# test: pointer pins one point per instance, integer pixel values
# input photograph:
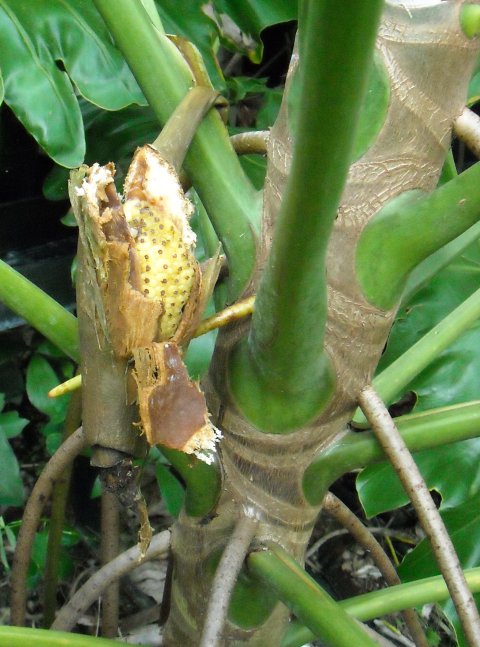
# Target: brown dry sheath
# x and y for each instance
(108, 419)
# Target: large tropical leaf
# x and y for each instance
(241, 23)
(51, 51)
(55, 50)
(454, 376)
(380, 490)
(110, 137)
(186, 19)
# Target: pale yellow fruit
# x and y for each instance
(167, 264)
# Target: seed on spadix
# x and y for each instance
(157, 213)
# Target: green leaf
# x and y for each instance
(187, 19)
(199, 354)
(255, 166)
(11, 488)
(53, 441)
(40, 379)
(463, 525)
(171, 490)
(110, 136)
(39, 556)
(2, 401)
(50, 50)
(11, 424)
(474, 90)
(379, 488)
(45, 347)
(453, 376)
(240, 86)
(474, 87)
(241, 23)
(269, 109)
(2, 88)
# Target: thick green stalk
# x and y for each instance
(21, 636)
(39, 309)
(380, 603)
(428, 268)
(390, 382)
(230, 199)
(470, 20)
(420, 431)
(202, 481)
(307, 599)
(422, 224)
(280, 377)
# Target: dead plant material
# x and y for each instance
(172, 407)
(146, 291)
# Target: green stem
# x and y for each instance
(420, 431)
(280, 377)
(202, 481)
(230, 199)
(151, 9)
(422, 225)
(307, 599)
(380, 603)
(470, 20)
(207, 232)
(430, 267)
(39, 309)
(21, 636)
(390, 382)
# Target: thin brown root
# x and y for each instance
(224, 581)
(401, 459)
(55, 467)
(110, 542)
(57, 516)
(111, 572)
(364, 537)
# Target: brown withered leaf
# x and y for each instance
(195, 307)
(173, 410)
(132, 319)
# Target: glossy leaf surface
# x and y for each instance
(380, 490)
(40, 379)
(240, 24)
(452, 378)
(49, 49)
(11, 488)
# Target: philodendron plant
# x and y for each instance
(354, 218)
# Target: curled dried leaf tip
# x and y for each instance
(172, 407)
